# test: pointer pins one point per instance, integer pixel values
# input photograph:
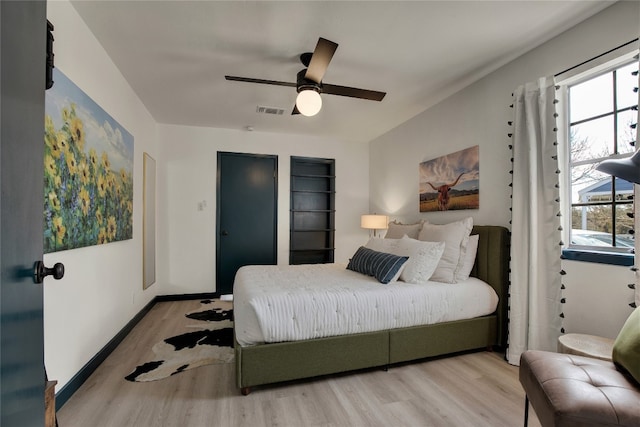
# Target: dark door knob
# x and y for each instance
(224, 233)
(40, 271)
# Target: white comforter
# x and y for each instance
(299, 302)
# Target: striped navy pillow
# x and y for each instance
(381, 265)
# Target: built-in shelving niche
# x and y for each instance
(313, 184)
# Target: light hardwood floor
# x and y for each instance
(475, 389)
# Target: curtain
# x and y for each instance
(535, 293)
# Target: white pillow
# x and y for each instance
(469, 259)
(423, 256)
(455, 235)
(382, 245)
(396, 230)
(423, 259)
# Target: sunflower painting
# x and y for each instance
(88, 164)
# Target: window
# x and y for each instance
(601, 116)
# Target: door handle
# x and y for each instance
(224, 233)
(40, 271)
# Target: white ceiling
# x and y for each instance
(175, 54)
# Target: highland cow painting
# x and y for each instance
(88, 180)
(451, 182)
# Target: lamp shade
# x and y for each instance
(309, 102)
(627, 169)
(374, 222)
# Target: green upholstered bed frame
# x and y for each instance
(277, 362)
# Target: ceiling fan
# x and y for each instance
(309, 81)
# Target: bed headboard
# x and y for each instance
(492, 266)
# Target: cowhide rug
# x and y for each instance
(210, 345)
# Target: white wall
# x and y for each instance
(187, 162)
(478, 115)
(597, 298)
(102, 287)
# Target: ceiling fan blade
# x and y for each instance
(353, 92)
(295, 110)
(320, 59)
(266, 82)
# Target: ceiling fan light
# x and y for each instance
(309, 102)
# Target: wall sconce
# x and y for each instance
(374, 222)
(627, 169)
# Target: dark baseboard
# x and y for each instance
(184, 297)
(79, 378)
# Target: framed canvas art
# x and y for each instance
(451, 182)
(88, 161)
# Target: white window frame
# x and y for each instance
(576, 76)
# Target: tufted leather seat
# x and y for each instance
(571, 391)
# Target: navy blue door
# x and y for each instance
(247, 194)
(23, 31)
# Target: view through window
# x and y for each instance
(602, 118)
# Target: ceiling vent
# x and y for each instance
(269, 110)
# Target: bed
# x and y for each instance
(266, 363)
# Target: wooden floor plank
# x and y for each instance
(474, 389)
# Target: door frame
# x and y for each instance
(220, 155)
